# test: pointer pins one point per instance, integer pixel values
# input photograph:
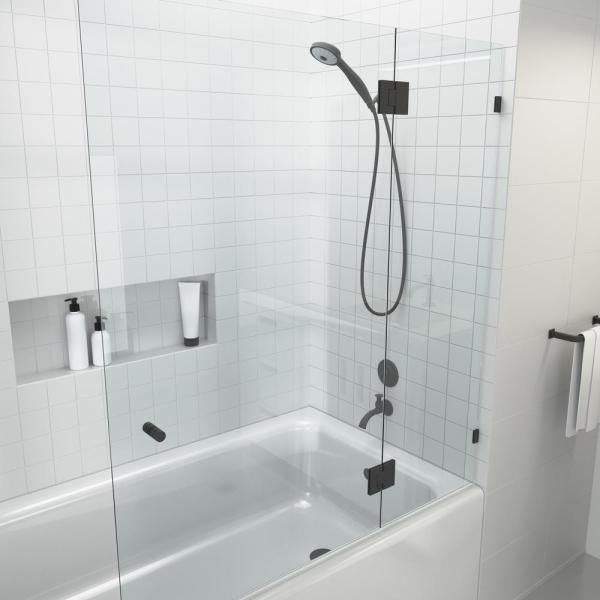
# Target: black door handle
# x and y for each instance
(154, 432)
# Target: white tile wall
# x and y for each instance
(63, 420)
(204, 163)
(180, 392)
(44, 158)
(168, 236)
(442, 338)
(221, 176)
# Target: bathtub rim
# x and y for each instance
(440, 481)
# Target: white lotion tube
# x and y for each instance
(189, 297)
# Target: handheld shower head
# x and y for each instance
(330, 55)
(326, 53)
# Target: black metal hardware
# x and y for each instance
(388, 373)
(393, 97)
(567, 337)
(381, 406)
(318, 552)
(475, 438)
(497, 104)
(156, 433)
(380, 477)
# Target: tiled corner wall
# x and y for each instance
(538, 495)
(345, 342)
(292, 329)
(453, 154)
(245, 223)
(223, 170)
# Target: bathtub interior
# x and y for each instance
(234, 513)
(226, 515)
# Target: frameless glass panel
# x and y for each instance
(450, 151)
(231, 171)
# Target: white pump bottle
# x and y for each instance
(76, 337)
(101, 350)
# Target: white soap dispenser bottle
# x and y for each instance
(101, 350)
(77, 346)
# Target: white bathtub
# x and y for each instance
(225, 517)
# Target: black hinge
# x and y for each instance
(393, 97)
(497, 104)
(380, 477)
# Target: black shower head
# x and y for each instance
(328, 54)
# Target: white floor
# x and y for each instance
(578, 581)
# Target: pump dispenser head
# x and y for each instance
(74, 306)
(99, 325)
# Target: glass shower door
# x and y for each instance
(231, 172)
(452, 149)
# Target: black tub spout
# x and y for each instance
(381, 406)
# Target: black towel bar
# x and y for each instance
(567, 337)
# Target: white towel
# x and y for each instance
(594, 395)
(588, 353)
(582, 369)
(574, 390)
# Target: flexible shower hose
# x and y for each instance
(388, 310)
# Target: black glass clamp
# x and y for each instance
(392, 97)
(380, 477)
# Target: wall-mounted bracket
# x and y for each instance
(393, 97)
(565, 337)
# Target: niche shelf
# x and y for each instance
(144, 321)
(117, 360)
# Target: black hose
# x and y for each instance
(388, 311)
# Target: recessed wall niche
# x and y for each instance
(142, 319)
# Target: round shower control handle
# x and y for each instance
(156, 433)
